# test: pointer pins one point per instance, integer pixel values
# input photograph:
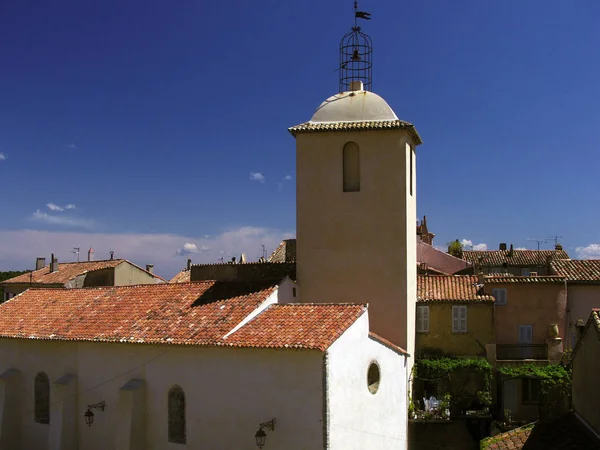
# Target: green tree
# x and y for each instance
(455, 249)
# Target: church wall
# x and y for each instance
(358, 418)
(228, 392)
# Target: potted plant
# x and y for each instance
(445, 405)
(485, 399)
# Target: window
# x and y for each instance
(177, 415)
(294, 292)
(373, 378)
(500, 295)
(459, 319)
(8, 296)
(525, 272)
(41, 394)
(351, 167)
(411, 168)
(422, 319)
(530, 390)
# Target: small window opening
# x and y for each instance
(351, 167)
(294, 292)
(176, 411)
(41, 392)
(373, 378)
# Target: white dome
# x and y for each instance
(353, 106)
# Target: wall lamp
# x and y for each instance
(260, 435)
(89, 415)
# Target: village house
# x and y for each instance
(112, 272)
(530, 318)
(583, 288)
(454, 316)
(578, 429)
(208, 364)
(514, 262)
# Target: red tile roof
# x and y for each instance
(314, 326)
(513, 439)
(199, 313)
(181, 277)
(502, 279)
(587, 270)
(564, 433)
(525, 258)
(432, 288)
(68, 271)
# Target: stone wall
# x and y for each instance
(242, 272)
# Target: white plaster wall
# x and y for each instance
(358, 419)
(228, 392)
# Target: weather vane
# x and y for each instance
(356, 52)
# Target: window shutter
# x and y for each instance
(459, 319)
(455, 319)
(463, 318)
(426, 318)
(423, 319)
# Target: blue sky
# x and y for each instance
(151, 116)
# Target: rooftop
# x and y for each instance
(565, 433)
(526, 258)
(502, 279)
(200, 313)
(67, 271)
(586, 270)
(181, 277)
(447, 288)
(285, 252)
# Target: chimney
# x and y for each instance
(40, 263)
(480, 277)
(189, 264)
(243, 258)
(112, 255)
(150, 268)
(558, 247)
(91, 254)
(53, 263)
(502, 245)
(511, 250)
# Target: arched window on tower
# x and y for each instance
(177, 415)
(351, 167)
(41, 394)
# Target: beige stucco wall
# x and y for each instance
(537, 304)
(126, 274)
(586, 390)
(359, 246)
(582, 299)
(228, 392)
(357, 418)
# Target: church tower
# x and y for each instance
(356, 201)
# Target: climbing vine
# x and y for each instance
(553, 378)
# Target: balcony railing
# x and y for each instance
(521, 351)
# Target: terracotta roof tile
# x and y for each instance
(525, 258)
(564, 433)
(199, 313)
(311, 127)
(68, 271)
(502, 279)
(285, 252)
(181, 277)
(431, 288)
(577, 270)
(313, 326)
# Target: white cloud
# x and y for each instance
(592, 251)
(70, 206)
(73, 222)
(288, 178)
(54, 207)
(468, 245)
(3, 156)
(73, 146)
(20, 248)
(257, 176)
(189, 248)
(520, 248)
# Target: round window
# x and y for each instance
(373, 378)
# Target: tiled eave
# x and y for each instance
(484, 299)
(315, 127)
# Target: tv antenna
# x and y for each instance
(264, 251)
(539, 241)
(76, 251)
(555, 239)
